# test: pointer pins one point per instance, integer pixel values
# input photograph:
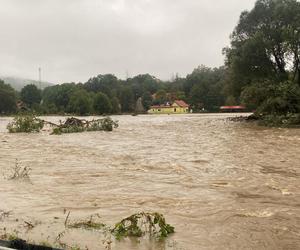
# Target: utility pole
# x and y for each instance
(40, 77)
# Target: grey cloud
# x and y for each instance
(73, 40)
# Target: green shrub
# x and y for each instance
(288, 120)
(137, 225)
(26, 124)
(74, 125)
(106, 124)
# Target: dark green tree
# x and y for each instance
(147, 100)
(127, 99)
(265, 45)
(161, 96)
(80, 103)
(102, 104)
(58, 97)
(204, 88)
(106, 84)
(115, 105)
(30, 95)
(7, 98)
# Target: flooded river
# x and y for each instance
(222, 184)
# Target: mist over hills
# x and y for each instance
(18, 83)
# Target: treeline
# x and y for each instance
(263, 61)
(203, 89)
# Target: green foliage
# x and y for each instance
(80, 103)
(161, 96)
(115, 105)
(102, 104)
(137, 225)
(105, 124)
(230, 101)
(275, 99)
(90, 224)
(264, 61)
(287, 120)
(103, 83)
(127, 99)
(204, 88)
(26, 124)
(147, 100)
(30, 95)
(266, 41)
(8, 99)
(67, 130)
(57, 98)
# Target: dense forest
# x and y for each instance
(106, 94)
(261, 71)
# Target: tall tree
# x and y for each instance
(30, 95)
(80, 102)
(102, 104)
(204, 88)
(264, 57)
(127, 99)
(8, 98)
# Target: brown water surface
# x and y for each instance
(222, 184)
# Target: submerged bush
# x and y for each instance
(288, 120)
(106, 124)
(137, 225)
(26, 124)
(74, 125)
(30, 123)
(19, 172)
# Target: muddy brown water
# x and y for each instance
(223, 185)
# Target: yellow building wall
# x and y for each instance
(170, 110)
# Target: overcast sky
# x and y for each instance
(73, 40)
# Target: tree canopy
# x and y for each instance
(264, 57)
(30, 95)
(8, 98)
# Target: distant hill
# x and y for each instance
(18, 83)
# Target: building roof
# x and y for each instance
(181, 103)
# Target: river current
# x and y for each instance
(222, 184)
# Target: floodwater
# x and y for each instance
(222, 184)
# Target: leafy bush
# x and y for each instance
(137, 225)
(289, 120)
(74, 125)
(277, 104)
(106, 124)
(26, 124)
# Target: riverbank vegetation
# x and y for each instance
(263, 61)
(261, 72)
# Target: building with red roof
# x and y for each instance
(177, 107)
